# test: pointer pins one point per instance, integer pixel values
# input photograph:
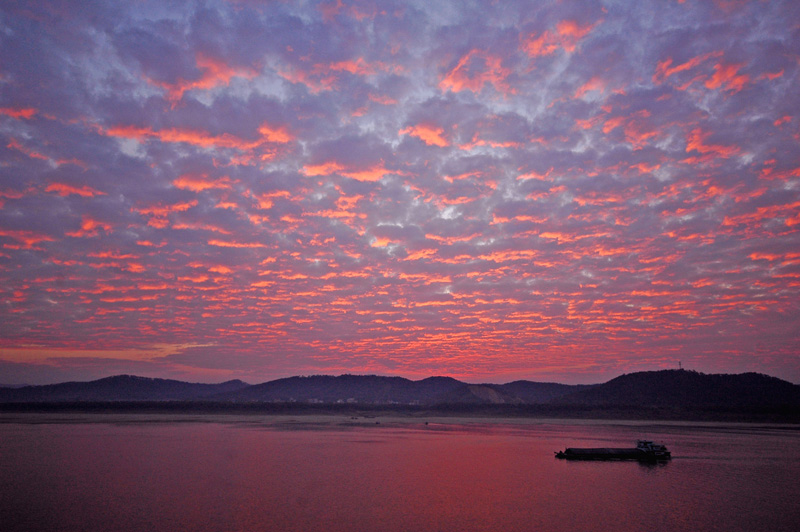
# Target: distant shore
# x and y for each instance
(339, 422)
(405, 413)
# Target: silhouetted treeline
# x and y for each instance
(656, 395)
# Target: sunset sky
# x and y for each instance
(554, 191)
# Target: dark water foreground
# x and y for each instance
(159, 472)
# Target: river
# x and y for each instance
(125, 472)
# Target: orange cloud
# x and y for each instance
(358, 67)
(430, 135)
(725, 76)
(201, 227)
(203, 139)
(277, 134)
(179, 135)
(789, 213)
(782, 120)
(27, 239)
(544, 44)
(452, 239)
(425, 278)
(594, 84)
(266, 200)
(332, 9)
(570, 32)
(601, 199)
(147, 243)
(511, 255)
(15, 144)
(23, 112)
(422, 254)
(198, 183)
(90, 227)
(567, 35)
(613, 123)
(10, 194)
(769, 173)
(199, 278)
(215, 73)
(160, 212)
(534, 175)
(327, 168)
(771, 75)
(340, 214)
(635, 127)
(323, 76)
(588, 123)
(112, 255)
(477, 141)
(226, 244)
(646, 168)
(467, 175)
(382, 99)
(474, 70)
(664, 69)
(638, 132)
(63, 189)
(373, 173)
(315, 84)
(382, 242)
(696, 141)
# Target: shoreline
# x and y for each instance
(349, 422)
(407, 413)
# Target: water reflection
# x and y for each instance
(263, 474)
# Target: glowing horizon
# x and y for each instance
(556, 192)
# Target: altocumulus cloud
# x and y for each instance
(486, 190)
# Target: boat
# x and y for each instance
(645, 450)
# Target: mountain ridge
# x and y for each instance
(118, 388)
(676, 389)
(687, 388)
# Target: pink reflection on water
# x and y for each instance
(251, 476)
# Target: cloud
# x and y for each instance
(565, 35)
(214, 73)
(489, 191)
(431, 135)
(63, 189)
(475, 70)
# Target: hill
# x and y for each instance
(539, 392)
(688, 389)
(668, 394)
(317, 389)
(118, 388)
(371, 389)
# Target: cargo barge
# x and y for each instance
(645, 450)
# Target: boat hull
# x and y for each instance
(612, 454)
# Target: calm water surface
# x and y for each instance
(136, 473)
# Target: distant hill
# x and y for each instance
(371, 389)
(317, 389)
(689, 389)
(119, 388)
(672, 394)
(477, 394)
(539, 392)
(374, 389)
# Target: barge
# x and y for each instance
(645, 450)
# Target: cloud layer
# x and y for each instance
(484, 190)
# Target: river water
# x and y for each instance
(138, 473)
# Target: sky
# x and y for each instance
(552, 191)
